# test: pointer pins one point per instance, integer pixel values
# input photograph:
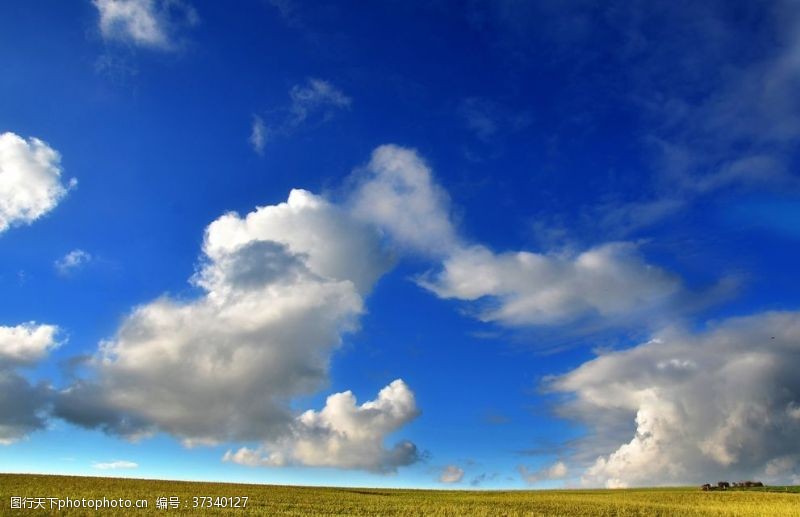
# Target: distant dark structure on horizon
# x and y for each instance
(724, 485)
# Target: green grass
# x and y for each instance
(284, 500)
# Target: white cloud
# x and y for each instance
(147, 23)
(26, 343)
(396, 192)
(451, 474)
(330, 242)
(611, 281)
(258, 134)
(311, 104)
(281, 285)
(115, 465)
(72, 261)
(718, 404)
(22, 404)
(316, 96)
(343, 434)
(557, 470)
(30, 180)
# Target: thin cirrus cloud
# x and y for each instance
(30, 180)
(22, 404)
(145, 23)
(115, 465)
(72, 261)
(310, 104)
(715, 404)
(735, 129)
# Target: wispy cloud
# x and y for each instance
(725, 120)
(72, 261)
(258, 134)
(115, 465)
(312, 103)
(145, 23)
(487, 118)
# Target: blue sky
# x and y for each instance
(500, 244)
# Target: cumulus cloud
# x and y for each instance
(146, 23)
(343, 434)
(716, 404)
(22, 405)
(557, 470)
(396, 192)
(611, 282)
(26, 343)
(281, 285)
(30, 180)
(451, 474)
(72, 261)
(115, 465)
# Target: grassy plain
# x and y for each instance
(285, 500)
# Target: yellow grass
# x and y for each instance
(284, 500)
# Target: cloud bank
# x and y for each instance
(723, 403)
(281, 286)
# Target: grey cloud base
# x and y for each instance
(23, 406)
(723, 403)
(281, 286)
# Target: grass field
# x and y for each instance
(283, 500)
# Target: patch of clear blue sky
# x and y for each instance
(160, 147)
